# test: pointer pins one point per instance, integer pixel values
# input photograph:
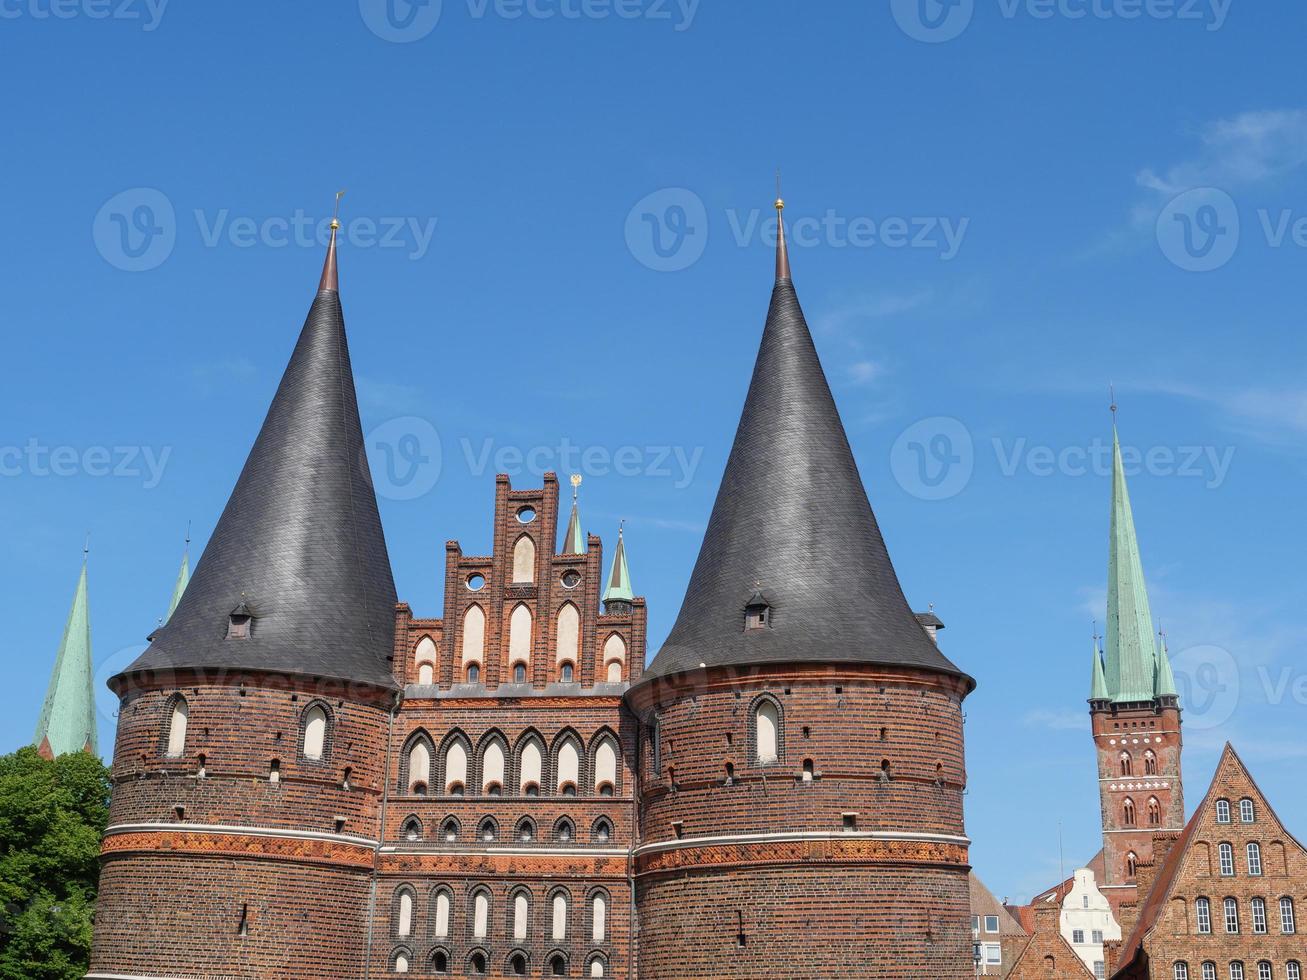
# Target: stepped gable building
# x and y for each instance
(312, 783)
(801, 762)
(1134, 710)
(1222, 899)
(67, 721)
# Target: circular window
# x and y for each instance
(475, 583)
(571, 579)
(526, 515)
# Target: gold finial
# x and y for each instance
(335, 215)
(576, 485)
(782, 250)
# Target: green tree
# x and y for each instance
(52, 814)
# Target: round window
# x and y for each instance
(526, 515)
(571, 579)
(475, 583)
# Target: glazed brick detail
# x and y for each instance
(180, 915)
(816, 922)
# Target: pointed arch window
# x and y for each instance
(1154, 812)
(474, 635)
(315, 733)
(492, 769)
(443, 906)
(1128, 812)
(767, 732)
(480, 914)
(419, 767)
(558, 917)
(599, 918)
(569, 768)
(455, 768)
(404, 912)
(524, 560)
(614, 659)
(567, 634)
(605, 773)
(597, 964)
(425, 659)
(519, 635)
(521, 915)
(1150, 763)
(401, 961)
(178, 719)
(1131, 864)
(530, 767)
(1127, 764)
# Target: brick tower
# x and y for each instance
(801, 764)
(251, 740)
(1135, 712)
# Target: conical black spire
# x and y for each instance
(792, 523)
(300, 541)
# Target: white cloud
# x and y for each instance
(864, 372)
(1246, 149)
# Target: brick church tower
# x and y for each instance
(801, 761)
(1135, 712)
(251, 746)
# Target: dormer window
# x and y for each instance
(239, 621)
(757, 612)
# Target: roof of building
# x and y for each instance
(179, 587)
(574, 537)
(618, 587)
(300, 540)
(67, 722)
(1056, 894)
(1046, 938)
(1153, 904)
(983, 902)
(792, 519)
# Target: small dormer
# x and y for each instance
(931, 623)
(757, 612)
(239, 622)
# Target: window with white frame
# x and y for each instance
(1100, 970)
(1231, 916)
(1077, 936)
(1247, 814)
(1255, 859)
(1209, 970)
(1287, 924)
(1236, 971)
(1264, 971)
(1226, 855)
(1222, 811)
(1096, 936)
(1180, 971)
(991, 923)
(993, 954)
(1293, 970)
(1203, 911)
(1259, 916)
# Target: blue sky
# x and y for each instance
(556, 219)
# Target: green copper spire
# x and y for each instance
(1165, 678)
(183, 578)
(1098, 690)
(68, 716)
(574, 539)
(619, 577)
(1131, 653)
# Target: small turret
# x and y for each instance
(67, 722)
(574, 539)
(617, 593)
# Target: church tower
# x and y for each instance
(67, 722)
(1135, 711)
(251, 747)
(801, 759)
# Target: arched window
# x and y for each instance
(474, 673)
(449, 830)
(474, 635)
(440, 962)
(1131, 864)
(1127, 764)
(1150, 763)
(567, 634)
(178, 719)
(558, 916)
(1222, 811)
(614, 658)
(1247, 813)
(1232, 916)
(480, 914)
(517, 964)
(404, 912)
(1258, 906)
(487, 829)
(1236, 970)
(1209, 970)
(605, 768)
(492, 768)
(599, 918)
(1264, 970)
(564, 832)
(455, 768)
(602, 831)
(477, 964)
(1154, 812)
(767, 732)
(1203, 913)
(530, 766)
(558, 965)
(419, 767)
(519, 635)
(567, 674)
(1293, 970)
(425, 658)
(569, 768)
(426, 674)
(597, 964)
(1128, 812)
(521, 915)
(315, 733)
(1181, 970)
(524, 559)
(401, 961)
(519, 673)
(444, 905)
(1225, 855)
(1255, 860)
(526, 830)
(412, 829)
(1288, 923)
